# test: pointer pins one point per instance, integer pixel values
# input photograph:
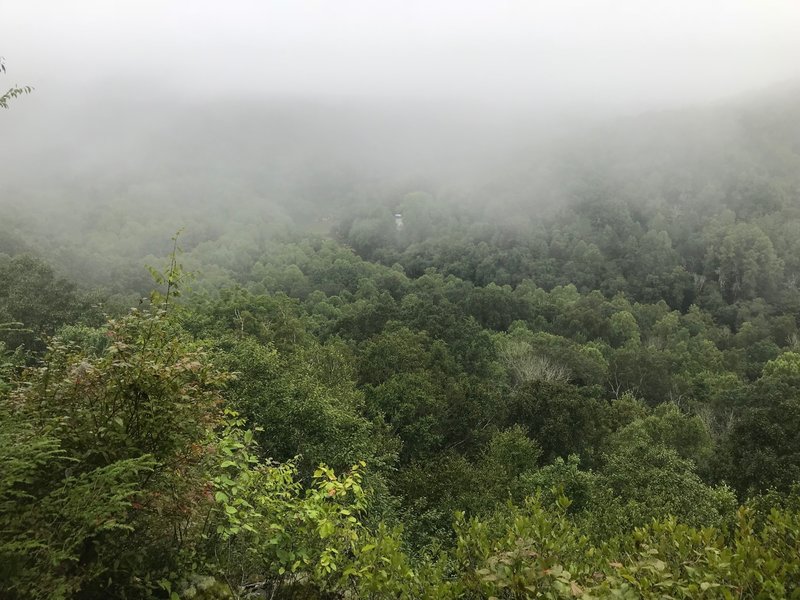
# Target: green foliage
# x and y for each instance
(667, 426)
(669, 559)
(57, 518)
(742, 258)
(760, 448)
(560, 417)
(13, 92)
(106, 451)
(34, 302)
(266, 532)
(651, 481)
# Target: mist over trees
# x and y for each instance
(400, 322)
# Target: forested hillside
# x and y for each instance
(576, 374)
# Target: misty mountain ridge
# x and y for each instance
(287, 163)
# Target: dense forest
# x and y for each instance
(579, 377)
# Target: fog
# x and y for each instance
(305, 106)
(618, 55)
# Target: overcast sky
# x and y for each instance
(619, 54)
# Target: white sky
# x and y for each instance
(610, 53)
